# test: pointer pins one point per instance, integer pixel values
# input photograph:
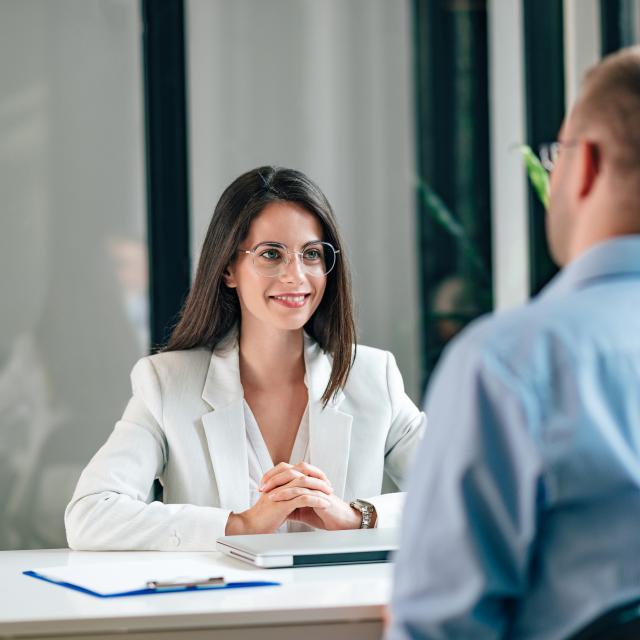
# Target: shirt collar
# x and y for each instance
(615, 257)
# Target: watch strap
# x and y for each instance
(367, 510)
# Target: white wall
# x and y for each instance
(582, 44)
(324, 87)
(510, 225)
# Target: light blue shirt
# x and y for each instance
(523, 513)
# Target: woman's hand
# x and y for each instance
(334, 514)
(286, 482)
(267, 515)
(284, 473)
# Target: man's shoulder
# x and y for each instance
(523, 340)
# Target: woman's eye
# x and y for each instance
(270, 254)
(312, 254)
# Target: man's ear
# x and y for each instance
(229, 277)
(589, 164)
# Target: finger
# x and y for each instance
(311, 483)
(291, 493)
(275, 470)
(315, 501)
(310, 470)
(288, 493)
(308, 516)
(284, 477)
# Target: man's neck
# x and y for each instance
(606, 216)
(589, 238)
(271, 358)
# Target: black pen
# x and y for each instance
(159, 584)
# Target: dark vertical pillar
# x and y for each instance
(545, 88)
(617, 19)
(167, 167)
(452, 126)
(610, 31)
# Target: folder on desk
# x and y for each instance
(120, 579)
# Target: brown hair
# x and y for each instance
(212, 309)
(610, 102)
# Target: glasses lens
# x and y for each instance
(268, 259)
(549, 155)
(554, 151)
(545, 157)
(318, 258)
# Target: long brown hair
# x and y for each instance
(212, 309)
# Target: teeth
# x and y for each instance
(290, 298)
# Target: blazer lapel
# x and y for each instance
(329, 428)
(224, 428)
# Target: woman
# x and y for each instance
(260, 415)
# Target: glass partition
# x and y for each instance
(73, 284)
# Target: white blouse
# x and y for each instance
(260, 462)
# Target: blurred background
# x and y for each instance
(121, 122)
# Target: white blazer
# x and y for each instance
(184, 425)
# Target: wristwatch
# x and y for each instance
(368, 512)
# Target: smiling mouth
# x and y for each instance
(292, 301)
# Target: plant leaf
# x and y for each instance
(538, 175)
(443, 216)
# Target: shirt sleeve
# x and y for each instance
(471, 510)
(113, 506)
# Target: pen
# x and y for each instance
(176, 584)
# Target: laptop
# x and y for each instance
(311, 548)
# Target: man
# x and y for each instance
(523, 515)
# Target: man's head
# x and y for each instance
(595, 185)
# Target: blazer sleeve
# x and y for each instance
(113, 506)
(405, 432)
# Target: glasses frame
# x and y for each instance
(549, 152)
(290, 252)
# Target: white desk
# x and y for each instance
(313, 603)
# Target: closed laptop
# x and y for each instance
(311, 548)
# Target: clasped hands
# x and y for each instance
(299, 492)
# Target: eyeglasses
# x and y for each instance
(549, 152)
(270, 259)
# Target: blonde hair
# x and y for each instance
(609, 103)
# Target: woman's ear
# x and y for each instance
(229, 277)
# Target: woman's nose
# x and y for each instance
(293, 270)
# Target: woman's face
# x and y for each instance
(288, 300)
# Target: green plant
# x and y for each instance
(439, 211)
(538, 175)
(477, 277)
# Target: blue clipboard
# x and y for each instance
(203, 586)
